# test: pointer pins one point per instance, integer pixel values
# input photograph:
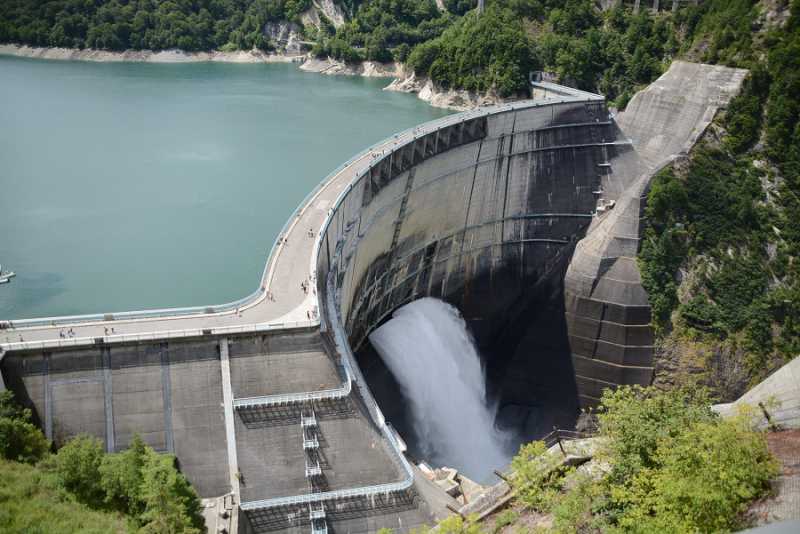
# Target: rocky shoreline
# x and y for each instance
(404, 82)
(145, 56)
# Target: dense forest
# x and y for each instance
(145, 24)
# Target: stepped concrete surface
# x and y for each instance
(608, 313)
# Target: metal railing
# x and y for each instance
(158, 335)
(313, 470)
(261, 290)
(351, 371)
(343, 347)
(558, 435)
(294, 398)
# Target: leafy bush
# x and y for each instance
(78, 467)
(137, 482)
(170, 502)
(635, 419)
(503, 519)
(704, 479)
(533, 472)
(667, 464)
(20, 439)
(33, 501)
(121, 478)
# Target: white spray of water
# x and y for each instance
(431, 354)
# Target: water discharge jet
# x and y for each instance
(430, 351)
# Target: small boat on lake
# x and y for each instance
(5, 277)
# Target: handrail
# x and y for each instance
(294, 398)
(341, 345)
(164, 334)
(352, 372)
(261, 290)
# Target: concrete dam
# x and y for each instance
(526, 217)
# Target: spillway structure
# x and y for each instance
(526, 216)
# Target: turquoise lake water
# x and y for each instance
(134, 186)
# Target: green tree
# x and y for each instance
(635, 419)
(78, 468)
(121, 478)
(170, 503)
(20, 439)
(705, 478)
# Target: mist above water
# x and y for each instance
(429, 350)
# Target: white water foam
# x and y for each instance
(429, 350)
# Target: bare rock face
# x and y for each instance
(331, 10)
(680, 362)
(369, 69)
(143, 56)
(323, 8)
(439, 97)
(285, 36)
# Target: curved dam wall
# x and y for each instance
(527, 217)
(485, 214)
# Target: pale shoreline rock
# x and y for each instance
(404, 82)
(426, 90)
(145, 56)
(368, 69)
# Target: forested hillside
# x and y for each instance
(722, 241)
(145, 24)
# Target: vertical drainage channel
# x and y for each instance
(48, 399)
(227, 402)
(166, 397)
(108, 396)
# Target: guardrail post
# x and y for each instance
(558, 440)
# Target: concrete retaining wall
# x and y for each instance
(168, 393)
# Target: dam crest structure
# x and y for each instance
(525, 216)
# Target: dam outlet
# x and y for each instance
(441, 408)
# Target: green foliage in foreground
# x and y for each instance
(20, 439)
(138, 482)
(674, 466)
(83, 489)
(33, 501)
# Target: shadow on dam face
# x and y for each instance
(522, 341)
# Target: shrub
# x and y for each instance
(78, 467)
(635, 419)
(121, 478)
(170, 502)
(706, 477)
(20, 439)
(533, 474)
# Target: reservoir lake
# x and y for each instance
(127, 186)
